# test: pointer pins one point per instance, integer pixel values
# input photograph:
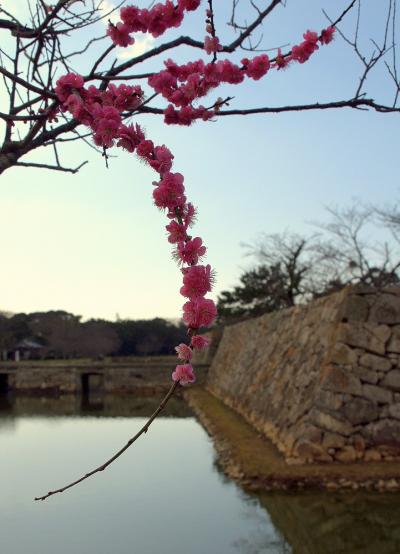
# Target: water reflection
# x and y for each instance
(101, 405)
(337, 523)
(165, 496)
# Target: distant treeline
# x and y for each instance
(59, 334)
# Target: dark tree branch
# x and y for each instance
(256, 23)
(353, 103)
(26, 84)
(183, 40)
(360, 103)
(52, 167)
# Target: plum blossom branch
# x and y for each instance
(105, 465)
(108, 112)
(42, 38)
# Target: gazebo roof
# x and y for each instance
(29, 344)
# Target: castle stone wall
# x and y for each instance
(322, 380)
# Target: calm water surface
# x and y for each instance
(164, 496)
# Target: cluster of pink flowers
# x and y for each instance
(103, 112)
(303, 51)
(181, 85)
(212, 44)
(185, 116)
(155, 20)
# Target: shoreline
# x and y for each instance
(252, 460)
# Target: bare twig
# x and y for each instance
(52, 167)
(104, 466)
(256, 23)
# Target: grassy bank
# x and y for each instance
(253, 460)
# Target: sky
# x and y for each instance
(95, 245)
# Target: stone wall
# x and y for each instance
(205, 356)
(322, 381)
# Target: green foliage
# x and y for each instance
(261, 290)
(59, 334)
(149, 336)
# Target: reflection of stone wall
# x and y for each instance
(321, 380)
(106, 406)
(336, 523)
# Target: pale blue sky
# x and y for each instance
(94, 244)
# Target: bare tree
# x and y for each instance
(355, 246)
(390, 218)
(351, 251)
(293, 254)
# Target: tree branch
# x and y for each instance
(52, 167)
(26, 84)
(242, 37)
(144, 429)
(355, 103)
(183, 40)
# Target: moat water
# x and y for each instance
(165, 495)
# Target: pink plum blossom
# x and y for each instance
(199, 342)
(190, 251)
(189, 5)
(177, 232)
(327, 35)
(184, 351)
(257, 67)
(66, 84)
(123, 97)
(119, 34)
(197, 281)
(106, 125)
(281, 62)
(184, 374)
(145, 149)
(199, 312)
(129, 137)
(135, 18)
(189, 214)
(162, 161)
(169, 191)
(303, 51)
(212, 44)
(310, 36)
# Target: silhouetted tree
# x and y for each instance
(351, 248)
(149, 337)
(97, 338)
(355, 247)
(261, 290)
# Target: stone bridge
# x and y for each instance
(145, 375)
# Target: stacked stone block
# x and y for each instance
(322, 380)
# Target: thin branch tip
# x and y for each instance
(133, 439)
